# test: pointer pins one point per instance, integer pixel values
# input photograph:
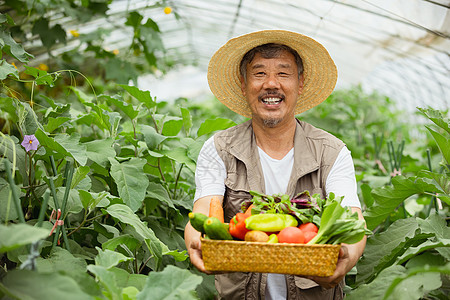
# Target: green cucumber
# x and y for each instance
(197, 220)
(216, 230)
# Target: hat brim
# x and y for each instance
(320, 72)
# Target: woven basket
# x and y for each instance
(296, 259)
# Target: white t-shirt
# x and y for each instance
(211, 173)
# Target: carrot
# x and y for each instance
(216, 209)
(248, 212)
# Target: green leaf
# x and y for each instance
(129, 293)
(64, 144)
(417, 282)
(10, 148)
(124, 214)
(436, 225)
(49, 36)
(14, 236)
(71, 144)
(6, 69)
(127, 280)
(366, 191)
(82, 96)
(172, 126)
(187, 119)
(388, 198)
(158, 192)
(193, 147)
(134, 19)
(73, 205)
(131, 181)
(11, 47)
(91, 200)
(128, 109)
(79, 174)
(427, 245)
(331, 213)
(108, 259)
(103, 119)
(103, 229)
(7, 207)
(120, 70)
(382, 249)
(442, 142)
(179, 155)
(8, 105)
(211, 125)
(100, 151)
(55, 123)
(27, 119)
(127, 240)
(40, 286)
(437, 117)
(151, 137)
(61, 260)
(427, 258)
(171, 283)
(107, 280)
(441, 183)
(41, 77)
(142, 96)
(377, 288)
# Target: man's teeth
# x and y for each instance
(271, 100)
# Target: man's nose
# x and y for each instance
(271, 82)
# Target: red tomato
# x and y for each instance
(308, 227)
(291, 234)
(309, 235)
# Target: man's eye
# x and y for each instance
(282, 74)
(259, 74)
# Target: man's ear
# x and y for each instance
(243, 85)
(301, 82)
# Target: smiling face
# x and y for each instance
(271, 88)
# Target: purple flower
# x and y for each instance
(30, 142)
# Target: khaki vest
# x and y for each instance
(314, 154)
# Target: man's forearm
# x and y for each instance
(355, 251)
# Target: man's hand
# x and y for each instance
(192, 236)
(344, 264)
(195, 254)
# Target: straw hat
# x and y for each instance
(320, 73)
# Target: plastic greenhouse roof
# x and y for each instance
(399, 48)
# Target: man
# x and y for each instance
(270, 76)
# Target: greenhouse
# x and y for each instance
(258, 149)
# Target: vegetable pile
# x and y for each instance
(303, 219)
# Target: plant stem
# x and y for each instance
(43, 209)
(176, 181)
(55, 201)
(160, 170)
(13, 191)
(52, 163)
(85, 220)
(68, 175)
(144, 264)
(433, 201)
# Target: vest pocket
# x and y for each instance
(232, 285)
(232, 202)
